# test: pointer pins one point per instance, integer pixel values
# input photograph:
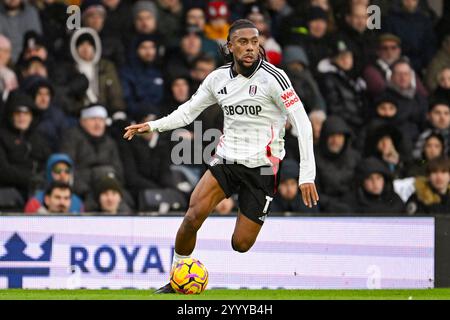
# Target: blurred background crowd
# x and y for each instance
(378, 100)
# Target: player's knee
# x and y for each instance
(241, 245)
(193, 220)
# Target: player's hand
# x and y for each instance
(134, 129)
(309, 194)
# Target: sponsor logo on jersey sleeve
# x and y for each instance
(289, 98)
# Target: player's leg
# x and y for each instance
(245, 233)
(255, 195)
(205, 197)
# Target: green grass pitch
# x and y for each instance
(216, 294)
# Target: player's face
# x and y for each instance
(244, 44)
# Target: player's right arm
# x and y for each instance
(182, 116)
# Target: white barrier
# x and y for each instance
(124, 252)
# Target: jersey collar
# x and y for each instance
(256, 66)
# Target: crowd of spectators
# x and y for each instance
(378, 100)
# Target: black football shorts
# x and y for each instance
(255, 187)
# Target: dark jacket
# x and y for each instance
(148, 167)
(93, 158)
(361, 44)
(335, 172)
(22, 154)
(141, 83)
(411, 110)
(344, 96)
(416, 31)
(374, 134)
(360, 201)
(427, 200)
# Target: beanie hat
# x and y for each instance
(316, 13)
(217, 9)
(292, 53)
(289, 170)
(144, 6)
(107, 183)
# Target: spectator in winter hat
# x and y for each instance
(217, 27)
(108, 198)
(142, 78)
(95, 154)
(23, 151)
(297, 67)
(374, 193)
(60, 168)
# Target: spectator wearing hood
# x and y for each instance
(104, 84)
(142, 79)
(108, 198)
(178, 92)
(374, 193)
(23, 151)
(412, 105)
(94, 153)
(438, 117)
(344, 95)
(336, 163)
(94, 16)
(288, 197)
(386, 143)
(433, 147)
(439, 62)
(296, 65)
(52, 122)
(432, 194)
(16, 18)
(60, 168)
(416, 31)
(8, 79)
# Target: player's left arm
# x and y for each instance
(286, 97)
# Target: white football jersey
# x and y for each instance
(255, 111)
